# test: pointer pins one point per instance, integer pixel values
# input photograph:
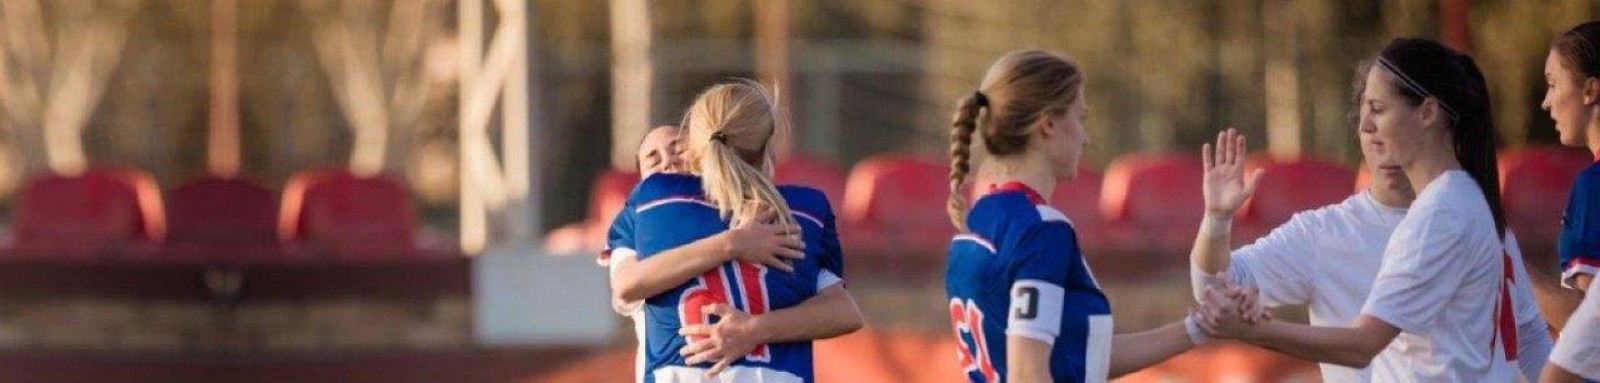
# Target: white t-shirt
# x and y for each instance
(1579, 349)
(1327, 258)
(1440, 284)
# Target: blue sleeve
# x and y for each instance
(1045, 266)
(1048, 252)
(1579, 245)
(814, 207)
(620, 235)
(832, 254)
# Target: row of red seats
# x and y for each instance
(893, 206)
(110, 212)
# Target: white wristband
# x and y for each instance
(1196, 335)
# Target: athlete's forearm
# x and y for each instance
(657, 274)
(1211, 251)
(1553, 373)
(1136, 351)
(1346, 346)
(1556, 303)
(830, 313)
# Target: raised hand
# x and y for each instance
(1225, 186)
(762, 240)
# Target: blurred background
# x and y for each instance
(414, 190)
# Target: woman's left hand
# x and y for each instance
(732, 337)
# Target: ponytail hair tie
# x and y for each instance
(980, 99)
(720, 137)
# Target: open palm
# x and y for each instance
(1225, 186)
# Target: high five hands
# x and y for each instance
(1227, 310)
(1225, 187)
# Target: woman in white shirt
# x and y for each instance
(1441, 299)
(1327, 258)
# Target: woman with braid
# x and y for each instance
(1023, 303)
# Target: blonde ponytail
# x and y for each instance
(730, 129)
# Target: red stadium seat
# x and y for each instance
(895, 206)
(100, 210)
(365, 218)
(1535, 183)
(214, 211)
(609, 195)
(1157, 198)
(1288, 187)
(813, 172)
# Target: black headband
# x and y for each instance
(1416, 87)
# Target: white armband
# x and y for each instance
(1035, 310)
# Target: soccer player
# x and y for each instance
(1023, 303)
(1572, 74)
(1327, 258)
(1441, 298)
(712, 314)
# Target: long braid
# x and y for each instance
(961, 129)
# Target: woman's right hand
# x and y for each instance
(763, 240)
(1225, 187)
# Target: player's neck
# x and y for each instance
(1594, 141)
(1034, 174)
(1429, 167)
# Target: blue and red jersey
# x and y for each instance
(669, 210)
(1018, 271)
(1579, 245)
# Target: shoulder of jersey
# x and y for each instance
(663, 185)
(1589, 177)
(1324, 212)
(1041, 213)
(808, 203)
(800, 195)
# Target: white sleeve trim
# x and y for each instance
(1578, 351)
(1049, 339)
(826, 279)
(1035, 310)
(1570, 275)
(617, 256)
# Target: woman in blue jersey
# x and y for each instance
(715, 316)
(1572, 74)
(1023, 303)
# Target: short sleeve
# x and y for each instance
(1277, 263)
(1425, 262)
(619, 237)
(832, 260)
(1579, 245)
(1047, 261)
(1578, 351)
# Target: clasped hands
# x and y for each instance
(1227, 310)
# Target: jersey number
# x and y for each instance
(713, 288)
(966, 318)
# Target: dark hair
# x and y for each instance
(1578, 50)
(1019, 88)
(1423, 69)
(1358, 89)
